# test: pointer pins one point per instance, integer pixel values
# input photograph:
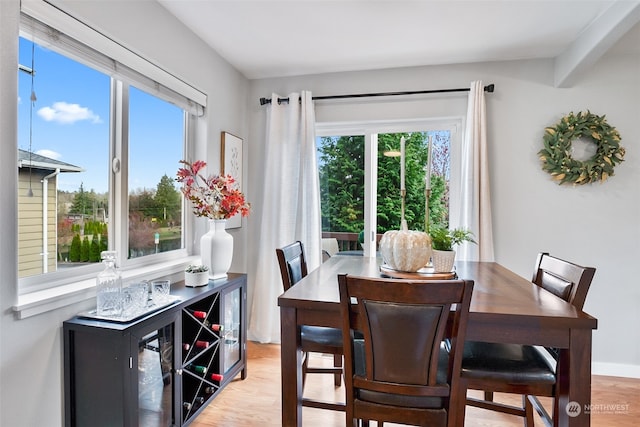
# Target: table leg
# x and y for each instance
(291, 368)
(574, 381)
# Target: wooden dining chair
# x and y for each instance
(395, 367)
(523, 369)
(314, 339)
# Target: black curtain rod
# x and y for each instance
(488, 88)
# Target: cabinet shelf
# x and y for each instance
(140, 374)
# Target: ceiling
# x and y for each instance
(264, 38)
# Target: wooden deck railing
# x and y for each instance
(346, 241)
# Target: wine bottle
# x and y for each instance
(186, 405)
(198, 368)
(217, 377)
(186, 346)
(200, 400)
(210, 390)
(202, 344)
(215, 327)
(198, 314)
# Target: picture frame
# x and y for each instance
(231, 159)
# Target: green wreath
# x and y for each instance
(556, 154)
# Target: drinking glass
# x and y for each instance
(135, 298)
(160, 291)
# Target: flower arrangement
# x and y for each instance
(213, 197)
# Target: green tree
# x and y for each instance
(141, 202)
(104, 240)
(74, 250)
(341, 171)
(85, 249)
(94, 250)
(83, 202)
(167, 200)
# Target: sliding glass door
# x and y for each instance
(364, 168)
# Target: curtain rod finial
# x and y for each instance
(264, 101)
(490, 88)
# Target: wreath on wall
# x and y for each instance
(556, 154)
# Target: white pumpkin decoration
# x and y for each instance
(405, 250)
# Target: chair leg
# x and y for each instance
(337, 363)
(542, 412)
(305, 362)
(528, 411)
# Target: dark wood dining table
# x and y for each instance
(505, 308)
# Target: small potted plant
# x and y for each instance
(442, 242)
(196, 275)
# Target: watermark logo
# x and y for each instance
(573, 409)
(607, 408)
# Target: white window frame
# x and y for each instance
(371, 129)
(37, 294)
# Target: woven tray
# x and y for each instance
(425, 273)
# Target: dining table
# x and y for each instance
(505, 308)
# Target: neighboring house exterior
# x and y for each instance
(37, 215)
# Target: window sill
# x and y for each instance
(34, 303)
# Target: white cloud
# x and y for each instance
(65, 113)
(50, 154)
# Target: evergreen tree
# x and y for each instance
(74, 250)
(168, 200)
(142, 202)
(94, 251)
(104, 242)
(85, 249)
(83, 202)
(341, 171)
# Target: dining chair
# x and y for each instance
(524, 369)
(314, 339)
(396, 369)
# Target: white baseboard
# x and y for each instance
(615, 370)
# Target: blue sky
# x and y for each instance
(71, 123)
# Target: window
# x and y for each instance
(99, 145)
(360, 177)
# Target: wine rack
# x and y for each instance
(201, 341)
(162, 369)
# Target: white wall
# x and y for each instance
(31, 386)
(596, 225)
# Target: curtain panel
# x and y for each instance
(290, 206)
(474, 212)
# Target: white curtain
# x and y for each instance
(475, 199)
(290, 207)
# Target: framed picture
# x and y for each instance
(232, 165)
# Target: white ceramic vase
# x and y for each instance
(443, 261)
(216, 249)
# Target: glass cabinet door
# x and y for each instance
(155, 367)
(231, 322)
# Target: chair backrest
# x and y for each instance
(330, 244)
(567, 280)
(293, 265)
(397, 362)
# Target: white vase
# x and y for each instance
(216, 249)
(443, 261)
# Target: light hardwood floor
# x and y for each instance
(256, 400)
